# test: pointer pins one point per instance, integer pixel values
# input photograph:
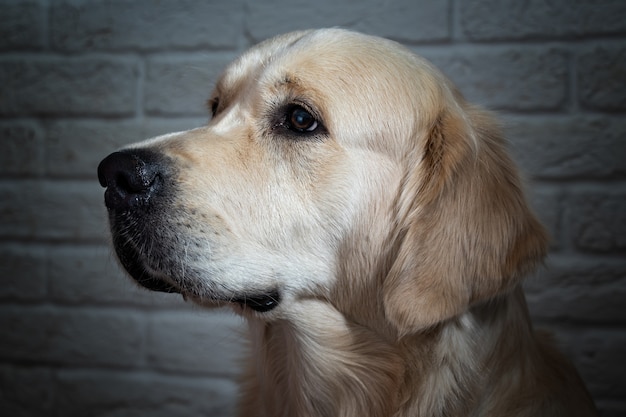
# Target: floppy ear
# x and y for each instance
(468, 233)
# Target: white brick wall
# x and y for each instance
(79, 78)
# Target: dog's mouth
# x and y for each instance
(261, 303)
(130, 258)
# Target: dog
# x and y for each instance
(367, 222)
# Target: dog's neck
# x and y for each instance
(316, 360)
(317, 363)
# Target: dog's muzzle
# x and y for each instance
(139, 190)
(134, 182)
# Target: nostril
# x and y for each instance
(130, 178)
(127, 183)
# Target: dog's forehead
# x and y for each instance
(324, 54)
(248, 67)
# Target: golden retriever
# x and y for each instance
(367, 222)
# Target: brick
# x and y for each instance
(176, 86)
(81, 393)
(22, 25)
(74, 148)
(598, 354)
(491, 20)
(569, 147)
(601, 75)
(27, 392)
(90, 275)
(204, 342)
(546, 203)
(68, 86)
(145, 24)
(21, 149)
(52, 210)
(22, 272)
(597, 220)
(576, 289)
(35, 391)
(301, 14)
(404, 21)
(519, 79)
(71, 336)
(399, 20)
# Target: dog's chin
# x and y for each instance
(142, 275)
(259, 301)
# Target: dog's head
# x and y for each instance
(336, 166)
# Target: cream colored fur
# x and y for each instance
(397, 237)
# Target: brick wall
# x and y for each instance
(80, 78)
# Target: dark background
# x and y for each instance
(80, 78)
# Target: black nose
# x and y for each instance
(131, 178)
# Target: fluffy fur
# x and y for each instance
(390, 239)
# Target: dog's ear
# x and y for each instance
(467, 233)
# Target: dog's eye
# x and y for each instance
(300, 120)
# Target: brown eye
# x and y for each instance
(300, 120)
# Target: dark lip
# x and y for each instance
(155, 284)
(129, 257)
(261, 303)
